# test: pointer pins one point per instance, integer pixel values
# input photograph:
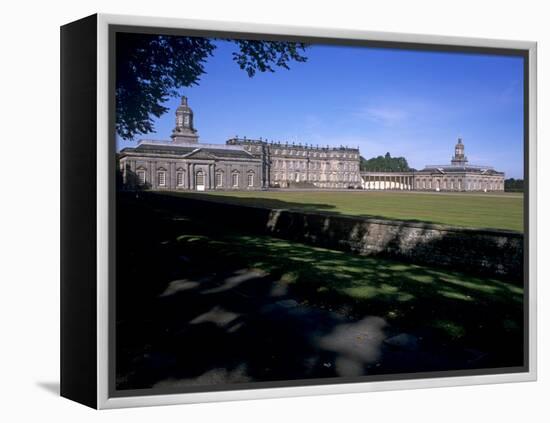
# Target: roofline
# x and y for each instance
(170, 143)
(281, 144)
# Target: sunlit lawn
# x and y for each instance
(476, 210)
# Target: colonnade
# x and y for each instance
(387, 181)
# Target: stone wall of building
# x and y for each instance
(289, 164)
(425, 181)
(187, 174)
(482, 252)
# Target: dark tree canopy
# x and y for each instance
(513, 185)
(151, 68)
(385, 163)
(264, 55)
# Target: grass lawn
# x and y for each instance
(491, 210)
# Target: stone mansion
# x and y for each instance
(241, 164)
(183, 163)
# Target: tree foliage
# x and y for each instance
(152, 68)
(264, 55)
(385, 163)
(513, 185)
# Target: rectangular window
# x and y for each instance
(179, 179)
(141, 177)
(235, 179)
(161, 177)
(219, 179)
(250, 180)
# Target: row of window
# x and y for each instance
(199, 178)
(282, 164)
(314, 177)
(475, 185)
(315, 154)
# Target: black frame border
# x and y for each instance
(78, 211)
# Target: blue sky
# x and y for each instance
(410, 103)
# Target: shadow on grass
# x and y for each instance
(200, 302)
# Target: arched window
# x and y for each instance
(250, 179)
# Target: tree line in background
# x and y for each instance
(513, 185)
(385, 163)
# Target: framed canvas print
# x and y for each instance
(253, 211)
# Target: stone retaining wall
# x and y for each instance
(486, 252)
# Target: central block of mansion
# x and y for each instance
(246, 164)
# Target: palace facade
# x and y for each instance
(183, 163)
(456, 176)
(300, 165)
